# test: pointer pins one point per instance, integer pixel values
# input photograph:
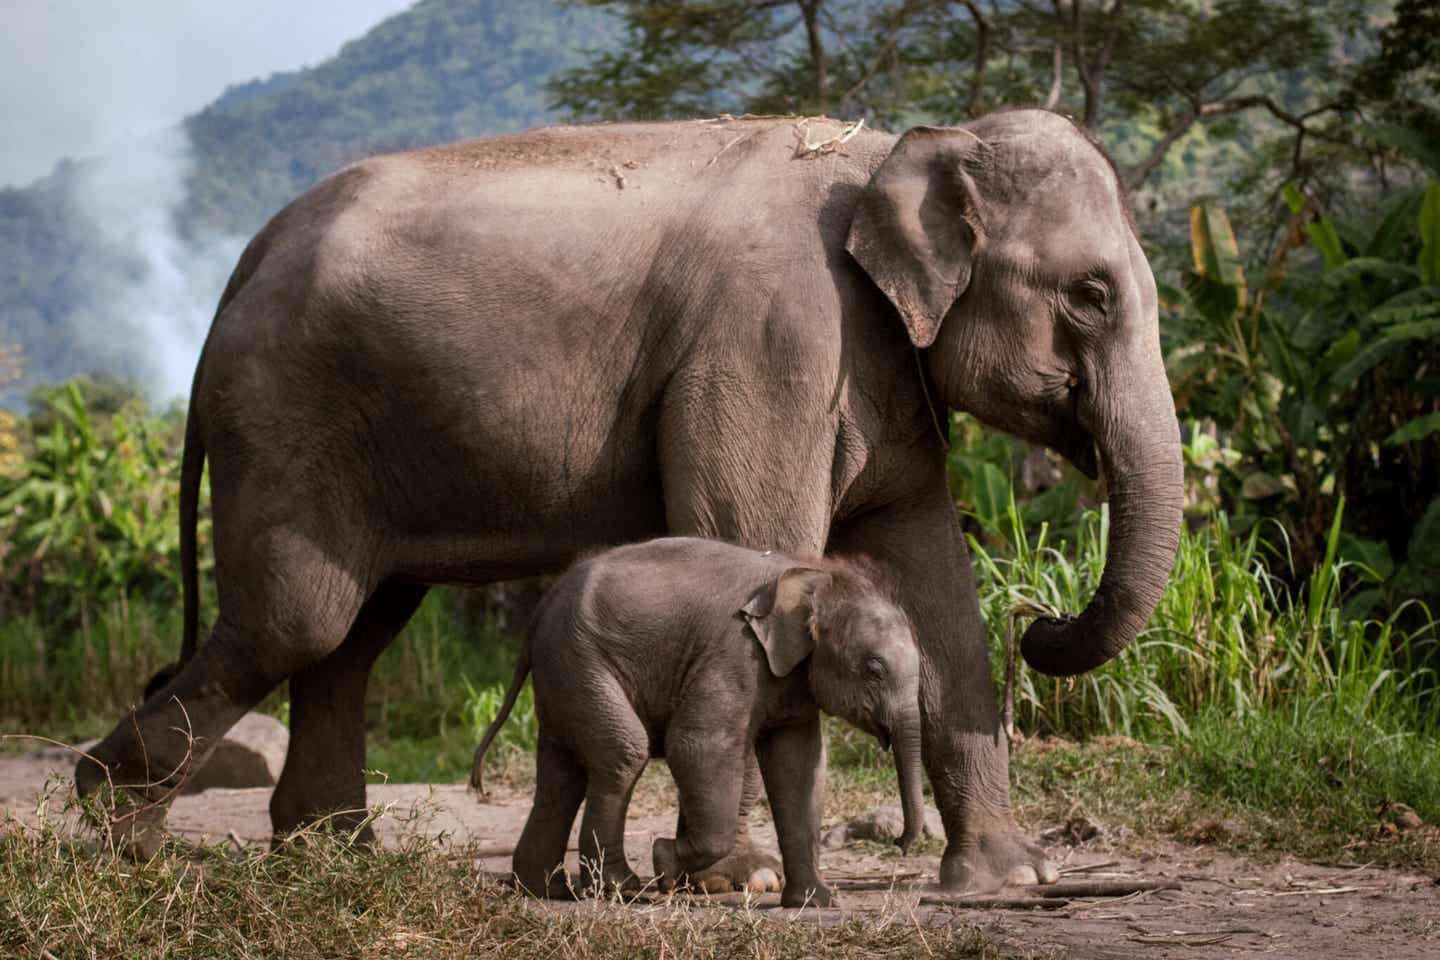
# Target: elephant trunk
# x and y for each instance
(1145, 473)
(906, 745)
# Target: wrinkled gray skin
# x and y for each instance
(704, 653)
(469, 363)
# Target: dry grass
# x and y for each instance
(60, 897)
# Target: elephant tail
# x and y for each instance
(522, 670)
(192, 467)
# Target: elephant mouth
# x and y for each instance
(1079, 448)
(883, 736)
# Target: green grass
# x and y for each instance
(1314, 785)
(1228, 634)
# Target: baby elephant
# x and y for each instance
(700, 652)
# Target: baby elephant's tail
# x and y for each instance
(522, 669)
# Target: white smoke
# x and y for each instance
(165, 296)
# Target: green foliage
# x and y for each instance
(92, 516)
(991, 474)
(1321, 375)
(1428, 263)
(483, 705)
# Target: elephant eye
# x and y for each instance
(873, 667)
(1091, 293)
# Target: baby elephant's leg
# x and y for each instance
(615, 754)
(792, 760)
(709, 771)
(539, 862)
(746, 867)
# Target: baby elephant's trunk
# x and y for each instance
(905, 739)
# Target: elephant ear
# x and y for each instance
(781, 614)
(915, 230)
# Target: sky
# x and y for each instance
(80, 77)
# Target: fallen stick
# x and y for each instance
(906, 875)
(1089, 867)
(869, 884)
(1174, 942)
(995, 903)
(1321, 893)
(1100, 888)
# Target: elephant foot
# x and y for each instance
(747, 869)
(132, 822)
(995, 855)
(556, 885)
(812, 894)
(609, 880)
(292, 823)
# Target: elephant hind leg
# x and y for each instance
(285, 604)
(324, 778)
(539, 862)
(614, 759)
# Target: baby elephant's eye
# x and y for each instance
(873, 667)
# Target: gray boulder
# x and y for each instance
(251, 755)
(882, 825)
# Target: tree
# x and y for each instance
(1145, 73)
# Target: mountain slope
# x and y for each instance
(81, 249)
(443, 70)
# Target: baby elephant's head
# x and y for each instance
(863, 662)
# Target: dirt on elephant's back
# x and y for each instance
(1225, 905)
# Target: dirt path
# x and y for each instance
(1227, 906)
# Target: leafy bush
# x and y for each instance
(93, 516)
(1323, 380)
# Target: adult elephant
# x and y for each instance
(470, 363)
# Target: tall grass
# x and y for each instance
(1228, 633)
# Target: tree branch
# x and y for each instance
(809, 9)
(982, 55)
(1136, 175)
(1199, 111)
(886, 48)
(1057, 73)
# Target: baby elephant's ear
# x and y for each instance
(782, 615)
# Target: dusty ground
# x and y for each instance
(1226, 907)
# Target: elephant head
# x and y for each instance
(1008, 251)
(863, 663)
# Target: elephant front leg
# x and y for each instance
(966, 751)
(709, 776)
(747, 867)
(792, 760)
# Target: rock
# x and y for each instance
(1075, 831)
(1402, 815)
(881, 825)
(251, 755)
(1227, 830)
